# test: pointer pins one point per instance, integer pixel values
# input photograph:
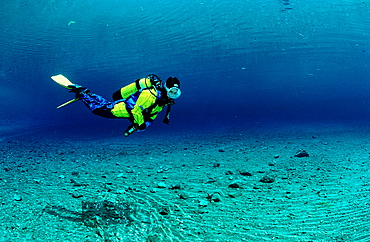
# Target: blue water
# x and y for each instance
(240, 62)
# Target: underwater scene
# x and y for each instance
(185, 120)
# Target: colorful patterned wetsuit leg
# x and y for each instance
(97, 104)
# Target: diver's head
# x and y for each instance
(172, 87)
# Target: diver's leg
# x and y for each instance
(96, 103)
(117, 95)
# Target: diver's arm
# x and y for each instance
(166, 118)
(169, 104)
(145, 100)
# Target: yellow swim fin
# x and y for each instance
(66, 103)
(62, 80)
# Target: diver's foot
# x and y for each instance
(74, 87)
(79, 90)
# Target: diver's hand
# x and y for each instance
(166, 120)
(130, 130)
(144, 126)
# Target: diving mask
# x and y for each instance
(173, 92)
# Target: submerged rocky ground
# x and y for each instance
(220, 185)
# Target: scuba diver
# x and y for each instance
(139, 102)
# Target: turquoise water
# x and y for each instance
(239, 61)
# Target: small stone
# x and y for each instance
(301, 153)
(76, 195)
(17, 198)
(121, 175)
(61, 176)
(216, 198)
(161, 185)
(234, 194)
(76, 184)
(234, 185)
(245, 173)
(183, 196)
(164, 211)
(203, 203)
(153, 190)
(276, 156)
(120, 191)
(175, 187)
(75, 173)
(210, 180)
(267, 179)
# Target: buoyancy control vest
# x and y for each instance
(130, 93)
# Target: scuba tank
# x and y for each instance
(149, 82)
